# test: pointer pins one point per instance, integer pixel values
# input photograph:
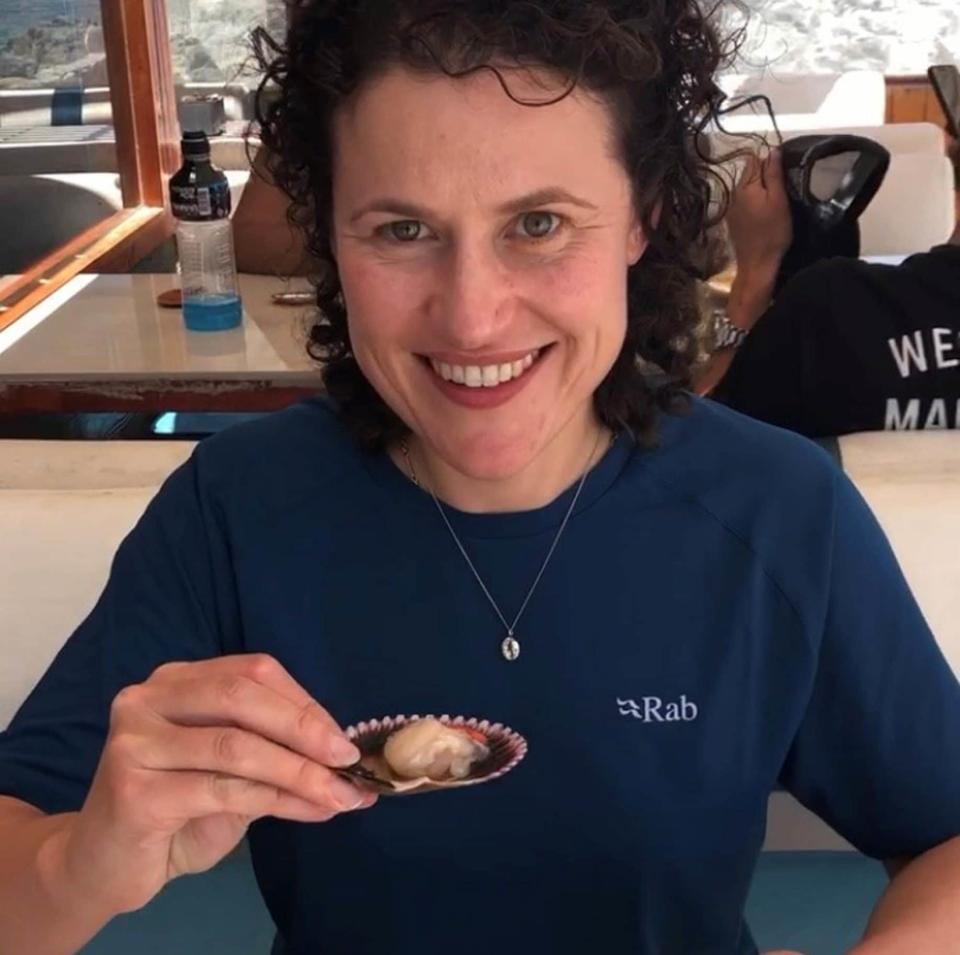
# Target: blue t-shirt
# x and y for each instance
(722, 615)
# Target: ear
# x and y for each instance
(637, 240)
(636, 245)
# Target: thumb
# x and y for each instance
(751, 171)
(773, 171)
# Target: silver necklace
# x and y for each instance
(510, 646)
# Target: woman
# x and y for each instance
(495, 515)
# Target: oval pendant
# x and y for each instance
(510, 648)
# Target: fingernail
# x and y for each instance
(343, 752)
(346, 795)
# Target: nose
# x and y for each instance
(472, 304)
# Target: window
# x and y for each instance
(209, 38)
(212, 56)
(51, 44)
(58, 163)
(87, 139)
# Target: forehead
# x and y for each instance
(455, 138)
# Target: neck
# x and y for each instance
(557, 466)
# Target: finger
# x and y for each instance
(257, 666)
(774, 171)
(235, 752)
(751, 170)
(234, 695)
(236, 700)
(179, 797)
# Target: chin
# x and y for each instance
(478, 461)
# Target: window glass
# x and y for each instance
(58, 167)
(210, 39)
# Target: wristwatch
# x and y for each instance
(725, 333)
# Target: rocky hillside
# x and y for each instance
(209, 40)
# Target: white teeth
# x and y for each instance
(486, 376)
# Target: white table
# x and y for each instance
(101, 343)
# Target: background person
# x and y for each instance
(847, 345)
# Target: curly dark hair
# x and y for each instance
(651, 61)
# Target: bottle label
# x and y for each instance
(201, 203)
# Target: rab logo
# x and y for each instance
(652, 709)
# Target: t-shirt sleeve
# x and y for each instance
(765, 378)
(168, 597)
(877, 754)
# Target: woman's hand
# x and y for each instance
(758, 219)
(195, 754)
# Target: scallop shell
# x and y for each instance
(507, 748)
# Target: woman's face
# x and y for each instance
(482, 248)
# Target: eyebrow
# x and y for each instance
(532, 200)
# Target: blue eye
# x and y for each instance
(538, 225)
(535, 226)
(404, 230)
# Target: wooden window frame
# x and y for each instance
(140, 73)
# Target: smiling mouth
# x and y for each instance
(485, 376)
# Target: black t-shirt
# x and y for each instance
(853, 346)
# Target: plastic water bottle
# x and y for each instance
(200, 198)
